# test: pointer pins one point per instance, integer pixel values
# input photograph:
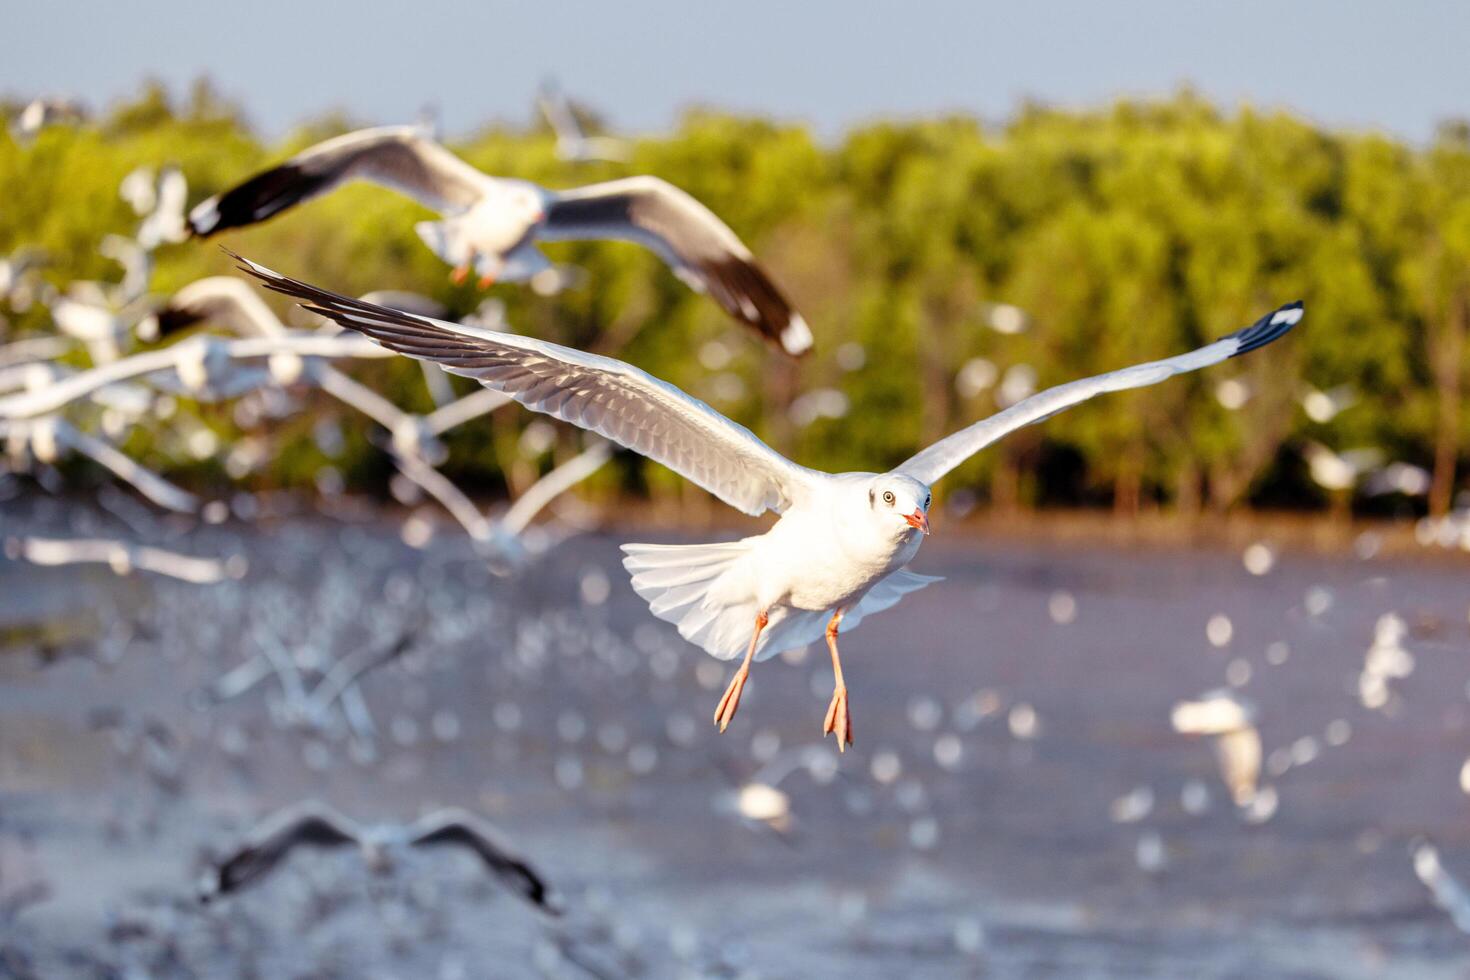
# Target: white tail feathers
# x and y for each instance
(679, 584)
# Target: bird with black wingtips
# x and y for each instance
(314, 824)
(841, 547)
(493, 224)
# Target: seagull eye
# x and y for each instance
(888, 497)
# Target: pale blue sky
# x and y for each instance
(1399, 67)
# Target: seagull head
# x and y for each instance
(518, 203)
(900, 501)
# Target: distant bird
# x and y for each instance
(1339, 471)
(45, 437)
(760, 801)
(1231, 722)
(313, 824)
(493, 224)
(840, 548)
(124, 558)
(572, 144)
(106, 331)
(48, 111)
(1324, 406)
(137, 266)
(1404, 478)
(1449, 893)
(501, 539)
(198, 363)
(164, 224)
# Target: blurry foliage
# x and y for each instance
(1129, 232)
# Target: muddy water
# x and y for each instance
(974, 829)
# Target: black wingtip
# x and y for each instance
(175, 319)
(1272, 326)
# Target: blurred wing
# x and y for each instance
(558, 113)
(224, 299)
(606, 396)
(305, 823)
(690, 238)
(145, 481)
(949, 452)
(459, 827)
(553, 485)
(400, 157)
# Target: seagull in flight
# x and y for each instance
(493, 224)
(840, 549)
(572, 144)
(311, 823)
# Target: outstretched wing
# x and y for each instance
(690, 238)
(307, 823)
(930, 464)
(400, 157)
(465, 829)
(601, 394)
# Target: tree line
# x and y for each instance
(945, 267)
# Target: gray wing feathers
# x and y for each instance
(930, 464)
(601, 394)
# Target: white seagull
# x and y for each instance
(572, 144)
(839, 550)
(493, 224)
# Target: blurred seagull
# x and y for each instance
(313, 824)
(165, 223)
(106, 332)
(191, 361)
(493, 224)
(1339, 471)
(123, 558)
(47, 436)
(137, 265)
(572, 144)
(46, 111)
(840, 548)
(500, 539)
(1324, 406)
(1231, 721)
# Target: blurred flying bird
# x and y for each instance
(572, 143)
(45, 438)
(123, 558)
(1231, 721)
(313, 824)
(1339, 471)
(190, 362)
(105, 329)
(838, 551)
(493, 224)
(48, 111)
(164, 224)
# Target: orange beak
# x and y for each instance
(918, 519)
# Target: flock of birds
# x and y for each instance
(838, 552)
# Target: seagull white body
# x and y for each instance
(493, 224)
(825, 553)
(838, 551)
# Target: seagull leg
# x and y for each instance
(726, 710)
(838, 721)
(459, 274)
(487, 280)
